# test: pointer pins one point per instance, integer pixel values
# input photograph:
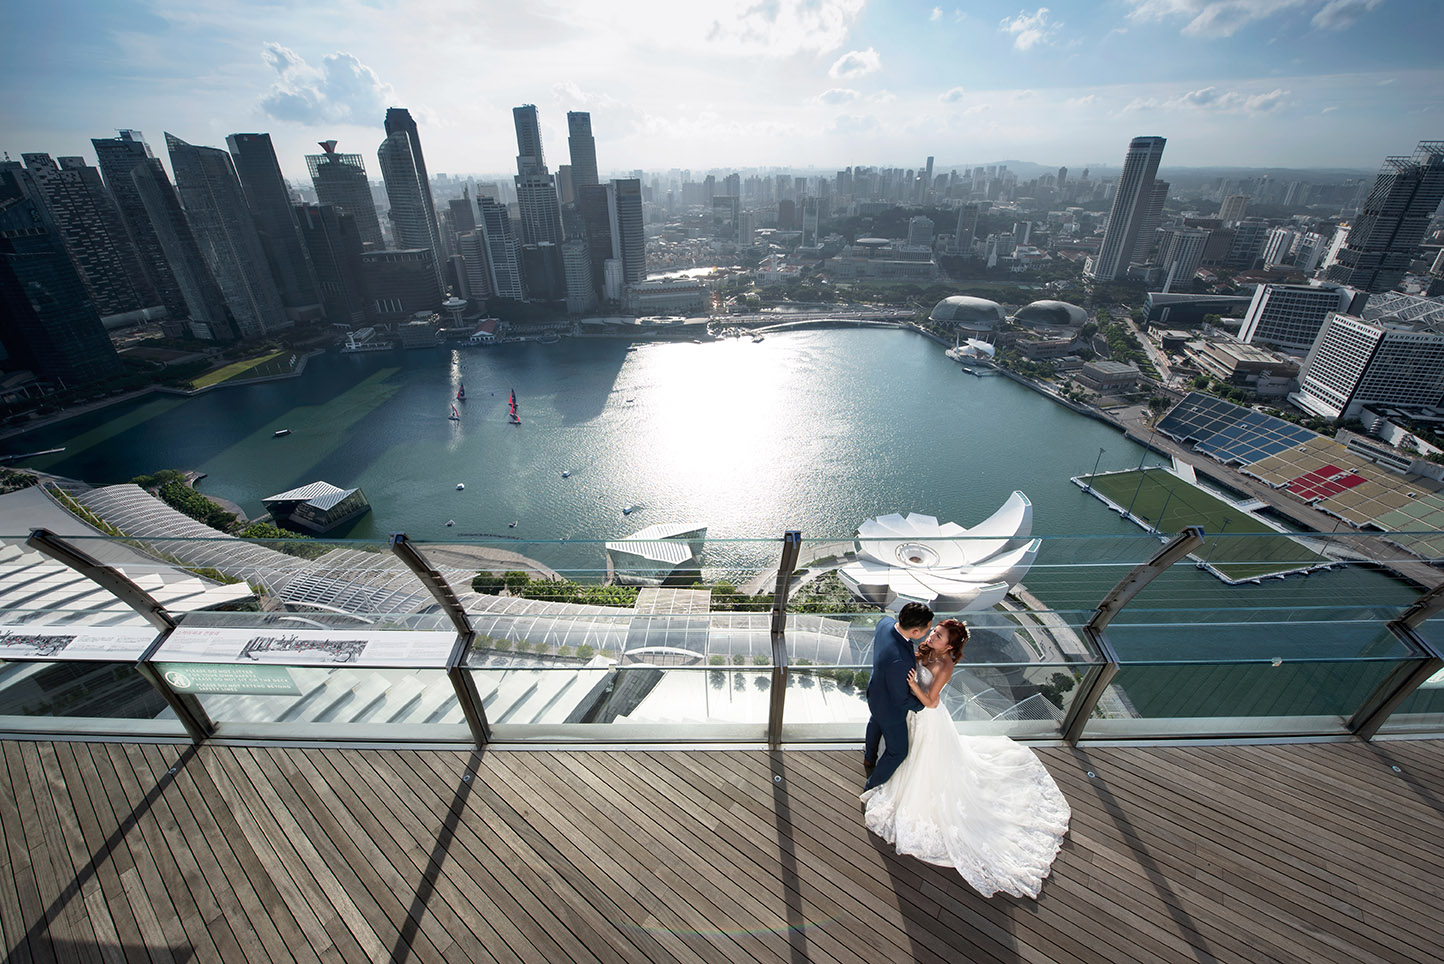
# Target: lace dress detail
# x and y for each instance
(981, 804)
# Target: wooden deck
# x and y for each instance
(110, 852)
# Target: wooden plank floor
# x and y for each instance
(131, 853)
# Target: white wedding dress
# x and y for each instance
(981, 804)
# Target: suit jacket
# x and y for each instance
(888, 696)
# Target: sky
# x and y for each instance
(723, 85)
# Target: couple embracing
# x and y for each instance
(981, 804)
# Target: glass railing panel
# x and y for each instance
(1018, 676)
(322, 676)
(603, 701)
(1245, 697)
(1422, 711)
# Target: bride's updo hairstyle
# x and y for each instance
(956, 633)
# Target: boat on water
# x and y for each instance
(566, 473)
(512, 415)
(461, 393)
(629, 510)
(549, 339)
(450, 523)
(280, 433)
(455, 416)
(460, 486)
(757, 339)
(512, 524)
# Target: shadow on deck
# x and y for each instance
(1312, 852)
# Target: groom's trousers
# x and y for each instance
(894, 736)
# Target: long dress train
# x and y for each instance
(981, 804)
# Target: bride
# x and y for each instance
(981, 804)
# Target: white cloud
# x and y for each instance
(975, 109)
(1224, 18)
(786, 27)
(341, 90)
(856, 63)
(952, 96)
(838, 95)
(1338, 14)
(1330, 109)
(936, 15)
(1030, 30)
(1215, 99)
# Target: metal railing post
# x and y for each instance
(1094, 685)
(186, 707)
(1402, 683)
(791, 546)
(461, 679)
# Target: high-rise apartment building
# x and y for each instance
(272, 210)
(920, 232)
(48, 323)
(340, 180)
(1355, 362)
(1132, 203)
(119, 157)
(1385, 236)
(1152, 218)
(403, 169)
(503, 250)
(583, 149)
(1233, 208)
(216, 208)
(536, 190)
(577, 266)
(1291, 316)
(967, 227)
(88, 224)
(1279, 246)
(1181, 255)
(472, 246)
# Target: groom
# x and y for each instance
(888, 697)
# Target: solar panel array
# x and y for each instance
(1229, 432)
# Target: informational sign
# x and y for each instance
(119, 643)
(250, 680)
(308, 647)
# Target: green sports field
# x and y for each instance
(1237, 544)
(274, 363)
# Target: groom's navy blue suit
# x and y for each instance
(889, 700)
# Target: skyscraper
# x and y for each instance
(629, 231)
(89, 225)
(215, 206)
(403, 168)
(48, 323)
(340, 179)
(583, 149)
(269, 200)
(333, 244)
(119, 157)
(1386, 235)
(1131, 205)
(967, 227)
(536, 190)
(170, 254)
(598, 204)
(577, 266)
(503, 251)
(1355, 362)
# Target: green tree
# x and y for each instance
(488, 583)
(515, 581)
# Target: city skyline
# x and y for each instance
(736, 85)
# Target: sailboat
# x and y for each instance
(515, 418)
(461, 393)
(455, 416)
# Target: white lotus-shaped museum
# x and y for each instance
(914, 558)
